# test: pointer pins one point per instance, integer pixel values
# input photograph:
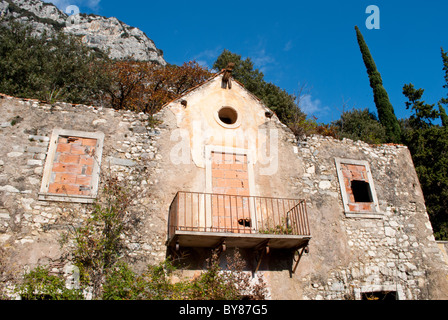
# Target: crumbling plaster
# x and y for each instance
(346, 254)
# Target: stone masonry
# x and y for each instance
(386, 245)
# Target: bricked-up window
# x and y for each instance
(357, 188)
(72, 167)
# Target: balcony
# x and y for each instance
(210, 220)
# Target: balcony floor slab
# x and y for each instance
(240, 240)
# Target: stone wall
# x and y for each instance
(349, 253)
(30, 229)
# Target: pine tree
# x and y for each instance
(385, 109)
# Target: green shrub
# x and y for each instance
(38, 284)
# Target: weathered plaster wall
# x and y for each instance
(346, 255)
(394, 251)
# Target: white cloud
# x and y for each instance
(288, 46)
(262, 60)
(207, 57)
(312, 107)
(63, 4)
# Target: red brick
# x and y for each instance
(236, 166)
(243, 192)
(69, 158)
(84, 193)
(229, 158)
(63, 188)
(347, 174)
(230, 174)
(65, 178)
(63, 147)
(88, 170)
(86, 160)
(89, 142)
(84, 180)
(68, 168)
(219, 182)
(240, 158)
(354, 167)
(218, 190)
(360, 207)
(231, 191)
(218, 173)
(357, 175)
(235, 183)
(78, 149)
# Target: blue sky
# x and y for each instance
(297, 43)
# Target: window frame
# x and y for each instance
(375, 213)
(234, 125)
(49, 162)
(397, 288)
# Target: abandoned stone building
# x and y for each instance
(317, 218)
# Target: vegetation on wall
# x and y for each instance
(99, 252)
(358, 124)
(39, 284)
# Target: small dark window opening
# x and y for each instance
(379, 295)
(228, 115)
(361, 191)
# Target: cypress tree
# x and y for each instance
(385, 109)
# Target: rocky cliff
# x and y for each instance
(108, 34)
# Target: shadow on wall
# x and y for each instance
(252, 260)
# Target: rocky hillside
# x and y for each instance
(108, 34)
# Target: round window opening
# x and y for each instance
(228, 115)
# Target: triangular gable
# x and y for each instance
(208, 81)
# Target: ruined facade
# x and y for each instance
(318, 218)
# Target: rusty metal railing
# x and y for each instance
(210, 212)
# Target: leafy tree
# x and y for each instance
(360, 125)
(428, 144)
(243, 71)
(443, 115)
(385, 109)
(145, 87)
(423, 114)
(51, 67)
